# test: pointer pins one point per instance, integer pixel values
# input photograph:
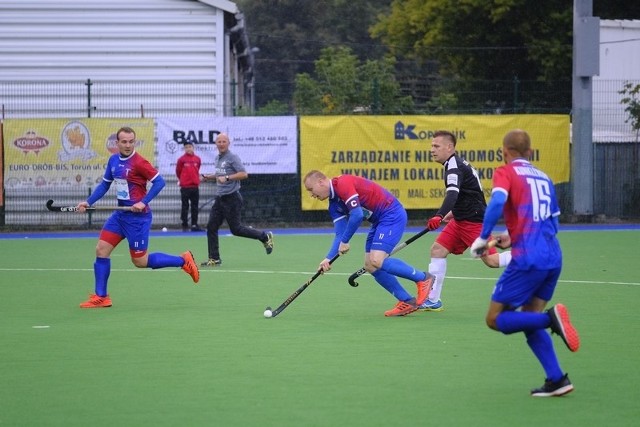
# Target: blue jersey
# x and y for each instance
(353, 199)
(530, 214)
(349, 192)
(130, 176)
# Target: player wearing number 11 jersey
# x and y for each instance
(129, 173)
(526, 197)
(352, 199)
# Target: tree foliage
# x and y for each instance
(449, 53)
(292, 33)
(616, 9)
(482, 39)
(342, 84)
(631, 100)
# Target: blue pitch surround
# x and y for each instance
(292, 231)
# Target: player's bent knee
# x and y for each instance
(438, 251)
(374, 265)
(139, 263)
(139, 259)
(491, 322)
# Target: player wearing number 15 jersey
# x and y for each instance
(526, 197)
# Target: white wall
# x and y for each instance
(619, 63)
(147, 43)
(619, 49)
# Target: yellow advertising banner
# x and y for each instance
(41, 153)
(395, 152)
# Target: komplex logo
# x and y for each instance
(403, 131)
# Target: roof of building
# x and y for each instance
(226, 5)
(622, 23)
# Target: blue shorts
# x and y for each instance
(134, 226)
(516, 288)
(387, 232)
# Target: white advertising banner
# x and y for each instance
(266, 145)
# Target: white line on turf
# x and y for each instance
(305, 273)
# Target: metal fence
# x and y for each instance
(275, 199)
(106, 98)
(153, 98)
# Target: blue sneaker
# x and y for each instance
(431, 306)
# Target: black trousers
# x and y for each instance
(189, 196)
(228, 207)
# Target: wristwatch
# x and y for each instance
(227, 177)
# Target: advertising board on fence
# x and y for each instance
(42, 153)
(266, 145)
(395, 150)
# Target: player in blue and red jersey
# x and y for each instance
(526, 197)
(129, 172)
(353, 199)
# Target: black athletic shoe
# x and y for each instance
(550, 388)
(268, 245)
(211, 263)
(196, 228)
(561, 325)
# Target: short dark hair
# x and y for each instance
(446, 134)
(125, 129)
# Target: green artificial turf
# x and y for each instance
(171, 353)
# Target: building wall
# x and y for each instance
(140, 43)
(619, 63)
(619, 49)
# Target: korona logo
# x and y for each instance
(31, 142)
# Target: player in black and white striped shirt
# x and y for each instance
(462, 209)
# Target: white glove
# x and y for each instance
(478, 247)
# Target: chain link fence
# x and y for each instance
(275, 199)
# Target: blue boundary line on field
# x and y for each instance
(286, 231)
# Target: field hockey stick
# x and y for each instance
(400, 246)
(493, 242)
(297, 293)
(91, 208)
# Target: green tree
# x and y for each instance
(616, 9)
(307, 98)
(343, 85)
(291, 34)
(273, 108)
(444, 48)
(631, 99)
(380, 90)
(482, 39)
(482, 52)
